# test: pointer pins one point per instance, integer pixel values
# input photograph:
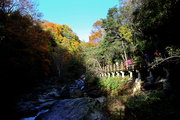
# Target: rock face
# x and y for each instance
(74, 109)
(76, 88)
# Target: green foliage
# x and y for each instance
(153, 105)
(173, 51)
(143, 99)
(137, 28)
(125, 33)
(117, 43)
(73, 69)
(91, 79)
(111, 85)
(155, 25)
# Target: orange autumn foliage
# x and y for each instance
(64, 38)
(24, 46)
(97, 23)
(96, 33)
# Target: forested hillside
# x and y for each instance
(131, 61)
(33, 51)
(135, 30)
(141, 36)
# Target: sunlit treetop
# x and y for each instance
(63, 35)
(96, 33)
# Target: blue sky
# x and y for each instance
(77, 14)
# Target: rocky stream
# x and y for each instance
(66, 102)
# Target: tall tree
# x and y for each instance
(96, 33)
(156, 23)
(24, 49)
(67, 53)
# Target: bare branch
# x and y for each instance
(166, 60)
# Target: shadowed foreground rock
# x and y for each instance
(74, 109)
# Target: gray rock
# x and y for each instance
(53, 93)
(100, 99)
(83, 77)
(73, 109)
(77, 86)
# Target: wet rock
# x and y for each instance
(31, 108)
(73, 109)
(33, 118)
(53, 93)
(45, 105)
(75, 90)
(26, 108)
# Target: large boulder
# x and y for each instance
(74, 109)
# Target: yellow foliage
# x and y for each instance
(125, 33)
(76, 43)
(64, 38)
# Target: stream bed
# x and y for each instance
(67, 102)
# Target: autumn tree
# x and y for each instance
(96, 33)
(67, 53)
(24, 48)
